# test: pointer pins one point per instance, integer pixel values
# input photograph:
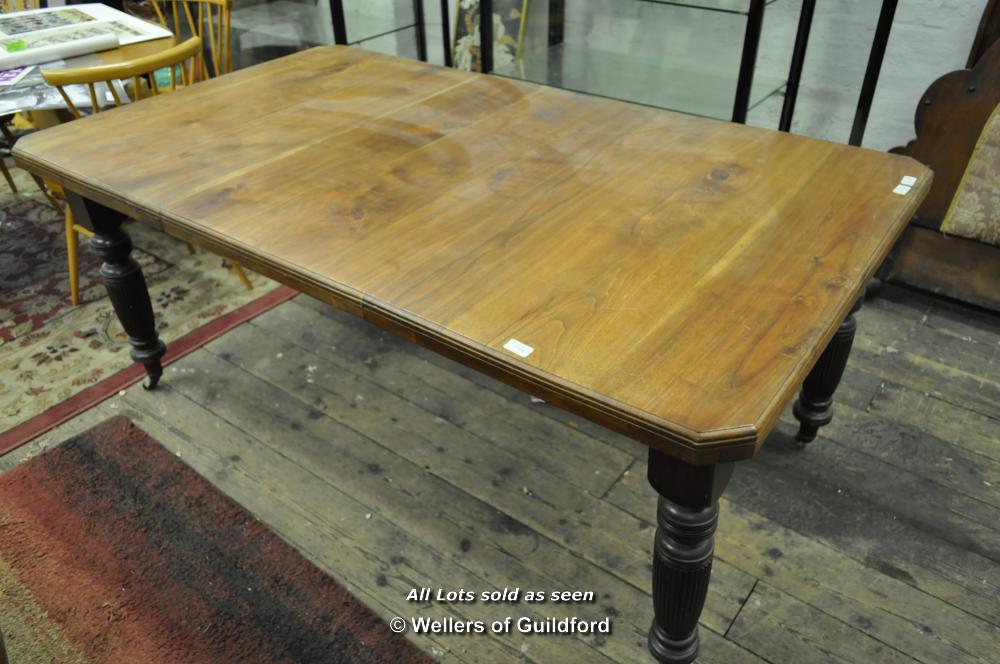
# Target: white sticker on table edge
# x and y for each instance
(518, 348)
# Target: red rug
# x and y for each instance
(90, 396)
(113, 551)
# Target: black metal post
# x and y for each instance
(486, 36)
(748, 61)
(445, 35)
(871, 73)
(339, 22)
(421, 29)
(795, 69)
(557, 21)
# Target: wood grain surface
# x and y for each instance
(676, 277)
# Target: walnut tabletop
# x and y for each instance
(671, 277)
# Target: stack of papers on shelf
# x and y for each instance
(55, 33)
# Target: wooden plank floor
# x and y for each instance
(392, 468)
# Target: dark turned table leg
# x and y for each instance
(686, 514)
(814, 407)
(124, 282)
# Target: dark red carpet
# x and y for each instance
(133, 557)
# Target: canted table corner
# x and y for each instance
(672, 278)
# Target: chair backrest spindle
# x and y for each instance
(210, 21)
(93, 97)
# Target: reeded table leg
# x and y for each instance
(814, 407)
(686, 515)
(124, 282)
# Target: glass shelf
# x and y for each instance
(741, 7)
(670, 54)
(668, 85)
(401, 42)
(268, 29)
(681, 55)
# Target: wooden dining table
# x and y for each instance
(672, 278)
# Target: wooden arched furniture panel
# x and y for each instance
(949, 120)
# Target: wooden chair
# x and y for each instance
(179, 59)
(101, 81)
(3, 162)
(207, 19)
(7, 6)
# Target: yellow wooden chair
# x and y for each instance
(3, 166)
(102, 82)
(179, 59)
(208, 19)
(18, 5)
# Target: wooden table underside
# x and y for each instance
(675, 278)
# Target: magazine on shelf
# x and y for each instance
(14, 76)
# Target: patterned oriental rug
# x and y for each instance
(114, 550)
(56, 359)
